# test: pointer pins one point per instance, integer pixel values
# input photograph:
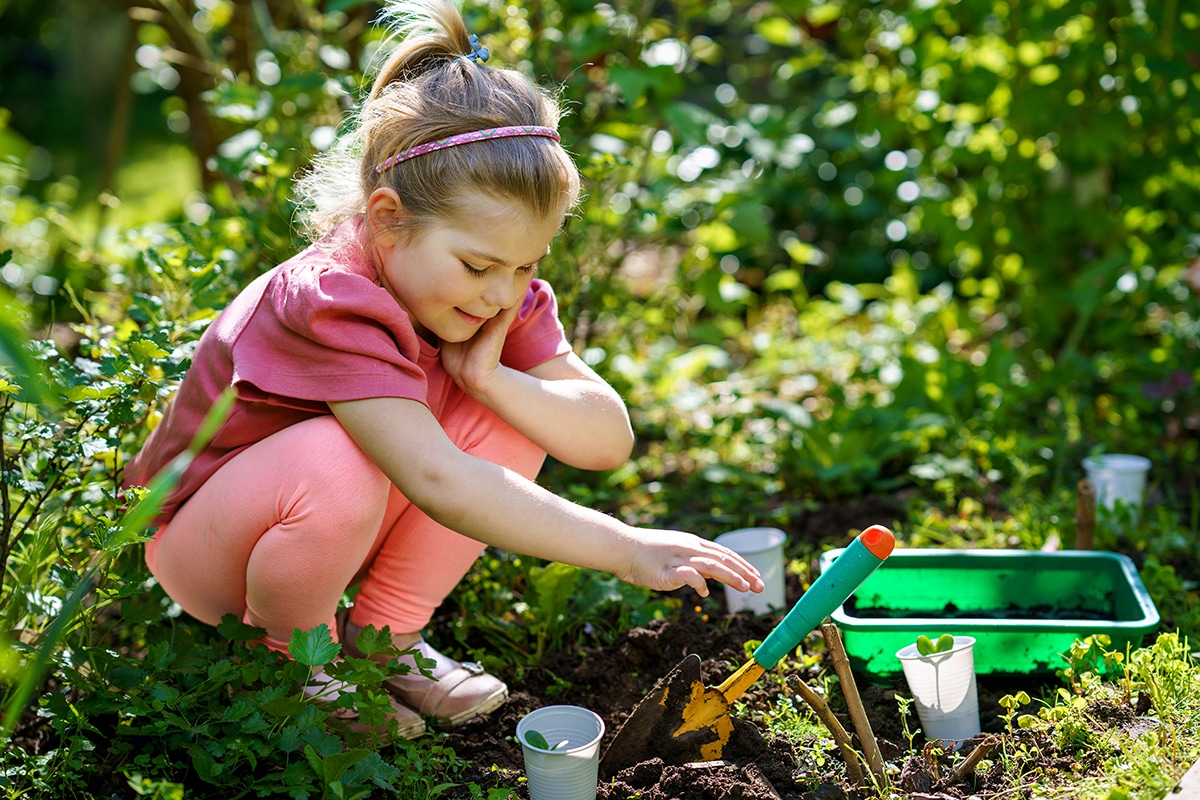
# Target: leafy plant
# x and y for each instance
(904, 707)
(515, 610)
(224, 713)
(1011, 703)
(1108, 759)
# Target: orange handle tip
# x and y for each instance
(879, 540)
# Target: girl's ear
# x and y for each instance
(385, 215)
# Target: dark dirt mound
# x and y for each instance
(611, 681)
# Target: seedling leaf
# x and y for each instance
(535, 739)
(927, 647)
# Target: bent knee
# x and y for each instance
(333, 466)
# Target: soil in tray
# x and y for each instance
(951, 611)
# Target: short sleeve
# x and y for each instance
(328, 335)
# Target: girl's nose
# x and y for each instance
(504, 290)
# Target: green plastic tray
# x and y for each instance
(980, 593)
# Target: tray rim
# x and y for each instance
(1149, 620)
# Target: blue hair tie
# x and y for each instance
(477, 53)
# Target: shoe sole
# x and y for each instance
(413, 730)
(487, 706)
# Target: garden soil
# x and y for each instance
(755, 766)
(611, 680)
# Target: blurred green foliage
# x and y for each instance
(830, 251)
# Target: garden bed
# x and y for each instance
(756, 765)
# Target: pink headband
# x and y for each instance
(464, 138)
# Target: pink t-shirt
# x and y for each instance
(317, 329)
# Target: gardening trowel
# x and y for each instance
(682, 720)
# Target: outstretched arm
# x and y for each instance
(499, 507)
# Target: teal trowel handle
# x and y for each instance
(829, 591)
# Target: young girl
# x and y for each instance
(399, 384)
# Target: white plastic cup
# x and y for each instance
(1117, 477)
(943, 686)
(763, 548)
(570, 771)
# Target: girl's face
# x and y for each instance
(455, 275)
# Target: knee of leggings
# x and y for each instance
(340, 465)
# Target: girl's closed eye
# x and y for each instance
(480, 271)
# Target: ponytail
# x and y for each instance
(430, 35)
(431, 86)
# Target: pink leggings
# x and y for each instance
(280, 532)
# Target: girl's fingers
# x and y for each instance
(699, 569)
(742, 580)
(729, 558)
(734, 570)
(695, 580)
(687, 559)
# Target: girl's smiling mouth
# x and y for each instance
(471, 318)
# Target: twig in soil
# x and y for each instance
(1085, 514)
(825, 714)
(968, 764)
(858, 715)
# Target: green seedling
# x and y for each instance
(536, 739)
(927, 647)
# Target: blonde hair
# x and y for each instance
(426, 90)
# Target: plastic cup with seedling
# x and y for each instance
(928, 647)
(941, 676)
(568, 769)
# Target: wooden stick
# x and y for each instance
(968, 764)
(825, 714)
(841, 664)
(1085, 514)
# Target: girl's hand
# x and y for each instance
(665, 560)
(561, 404)
(473, 364)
